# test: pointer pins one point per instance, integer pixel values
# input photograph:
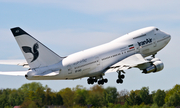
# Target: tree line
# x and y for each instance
(35, 95)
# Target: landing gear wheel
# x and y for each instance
(95, 80)
(92, 82)
(122, 76)
(119, 81)
(105, 80)
(88, 82)
(100, 82)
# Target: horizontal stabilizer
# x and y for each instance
(14, 73)
(15, 62)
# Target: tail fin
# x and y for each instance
(36, 54)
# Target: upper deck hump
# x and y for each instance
(134, 34)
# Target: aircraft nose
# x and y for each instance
(168, 37)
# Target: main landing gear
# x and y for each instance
(102, 81)
(92, 80)
(120, 77)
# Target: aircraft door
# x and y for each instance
(97, 61)
(98, 65)
(69, 69)
(137, 48)
(154, 42)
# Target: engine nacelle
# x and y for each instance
(155, 67)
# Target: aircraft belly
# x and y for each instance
(45, 78)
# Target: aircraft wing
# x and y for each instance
(15, 62)
(14, 73)
(136, 60)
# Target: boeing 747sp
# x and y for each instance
(125, 52)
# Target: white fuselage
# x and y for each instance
(94, 61)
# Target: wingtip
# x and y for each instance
(17, 31)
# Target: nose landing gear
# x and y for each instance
(154, 55)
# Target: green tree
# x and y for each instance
(144, 95)
(110, 95)
(159, 97)
(174, 100)
(48, 97)
(58, 100)
(40, 96)
(80, 95)
(33, 91)
(96, 96)
(29, 104)
(4, 98)
(68, 97)
(171, 92)
(16, 98)
(8, 107)
(31, 86)
(123, 95)
(134, 98)
(25, 88)
(33, 96)
(32, 105)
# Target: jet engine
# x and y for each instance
(156, 66)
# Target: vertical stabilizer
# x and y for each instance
(36, 54)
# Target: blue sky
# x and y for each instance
(70, 26)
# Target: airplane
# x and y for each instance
(125, 52)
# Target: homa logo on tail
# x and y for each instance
(34, 52)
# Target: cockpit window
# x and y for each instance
(157, 29)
